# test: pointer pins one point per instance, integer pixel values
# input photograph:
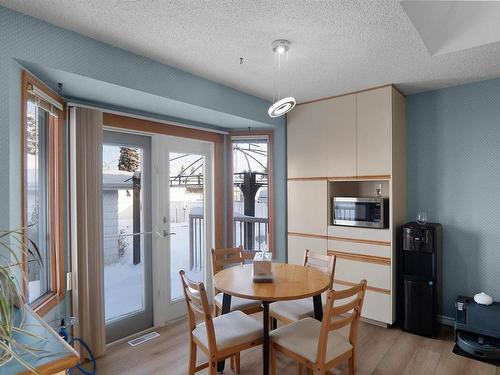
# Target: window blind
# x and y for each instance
(44, 101)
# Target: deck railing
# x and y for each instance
(240, 225)
(260, 230)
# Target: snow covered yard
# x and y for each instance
(124, 281)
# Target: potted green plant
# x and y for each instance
(13, 246)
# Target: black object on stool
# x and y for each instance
(477, 330)
(420, 277)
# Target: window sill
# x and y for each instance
(46, 303)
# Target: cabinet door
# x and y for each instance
(374, 134)
(307, 140)
(307, 207)
(297, 245)
(342, 136)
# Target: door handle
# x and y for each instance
(167, 234)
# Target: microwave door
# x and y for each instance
(344, 211)
(357, 213)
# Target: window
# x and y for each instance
(42, 192)
(252, 186)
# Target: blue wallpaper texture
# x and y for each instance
(26, 39)
(454, 176)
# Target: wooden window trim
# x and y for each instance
(57, 289)
(148, 126)
(229, 172)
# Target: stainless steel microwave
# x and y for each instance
(368, 212)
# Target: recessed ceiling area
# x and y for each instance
(450, 26)
(338, 46)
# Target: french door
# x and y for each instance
(127, 234)
(182, 219)
(157, 220)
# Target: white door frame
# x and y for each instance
(165, 310)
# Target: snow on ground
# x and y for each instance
(180, 259)
(124, 291)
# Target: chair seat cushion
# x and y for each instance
(296, 309)
(293, 310)
(237, 303)
(231, 329)
(302, 338)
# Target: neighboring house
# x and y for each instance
(112, 182)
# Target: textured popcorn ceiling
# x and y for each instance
(337, 46)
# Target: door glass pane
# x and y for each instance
(37, 199)
(250, 193)
(187, 235)
(123, 221)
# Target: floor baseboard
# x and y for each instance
(446, 320)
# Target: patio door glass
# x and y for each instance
(183, 196)
(127, 220)
(187, 234)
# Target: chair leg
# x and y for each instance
(212, 368)
(272, 356)
(309, 371)
(192, 358)
(232, 363)
(300, 368)
(237, 362)
(351, 365)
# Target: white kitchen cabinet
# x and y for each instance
(377, 306)
(359, 248)
(374, 132)
(356, 137)
(307, 140)
(341, 112)
(297, 245)
(377, 275)
(307, 207)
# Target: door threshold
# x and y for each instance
(143, 332)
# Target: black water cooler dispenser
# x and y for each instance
(420, 277)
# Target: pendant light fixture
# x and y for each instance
(281, 48)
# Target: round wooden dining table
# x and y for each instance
(290, 282)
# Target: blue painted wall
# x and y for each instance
(454, 176)
(52, 49)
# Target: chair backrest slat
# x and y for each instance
(197, 306)
(351, 311)
(195, 302)
(324, 263)
(346, 293)
(339, 310)
(341, 322)
(221, 258)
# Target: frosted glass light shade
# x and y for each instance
(282, 106)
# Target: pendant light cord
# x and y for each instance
(277, 75)
(288, 73)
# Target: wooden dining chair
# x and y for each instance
(219, 338)
(292, 311)
(315, 344)
(223, 258)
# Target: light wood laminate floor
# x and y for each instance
(381, 352)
